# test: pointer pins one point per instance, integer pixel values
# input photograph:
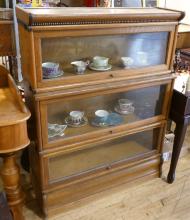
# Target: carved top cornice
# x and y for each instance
(78, 16)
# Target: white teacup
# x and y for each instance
(101, 115)
(99, 61)
(127, 61)
(80, 66)
(76, 116)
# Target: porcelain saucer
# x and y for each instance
(69, 122)
(118, 110)
(108, 67)
(58, 74)
(115, 119)
(95, 122)
(112, 120)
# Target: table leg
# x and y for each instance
(11, 180)
(180, 132)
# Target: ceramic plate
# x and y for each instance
(118, 110)
(52, 133)
(60, 73)
(97, 123)
(113, 119)
(69, 122)
(100, 68)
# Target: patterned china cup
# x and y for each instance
(50, 69)
(76, 116)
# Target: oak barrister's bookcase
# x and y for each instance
(71, 164)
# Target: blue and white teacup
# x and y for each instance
(101, 115)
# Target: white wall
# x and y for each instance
(182, 5)
(162, 3)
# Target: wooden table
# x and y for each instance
(180, 114)
(13, 137)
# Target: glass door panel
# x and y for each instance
(128, 3)
(77, 116)
(102, 155)
(150, 3)
(126, 51)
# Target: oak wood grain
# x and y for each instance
(13, 137)
(51, 34)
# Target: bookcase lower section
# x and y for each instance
(59, 198)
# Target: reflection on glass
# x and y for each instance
(128, 3)
(97, 112)
(139, 50)
(150, 3)
(102, 155)
(131, 3)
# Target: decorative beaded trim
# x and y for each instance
(94, 22)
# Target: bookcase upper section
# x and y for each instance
(78, 15)
(60, 47)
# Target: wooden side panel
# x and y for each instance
(36, 175)
(27, 55)
(34, 125)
